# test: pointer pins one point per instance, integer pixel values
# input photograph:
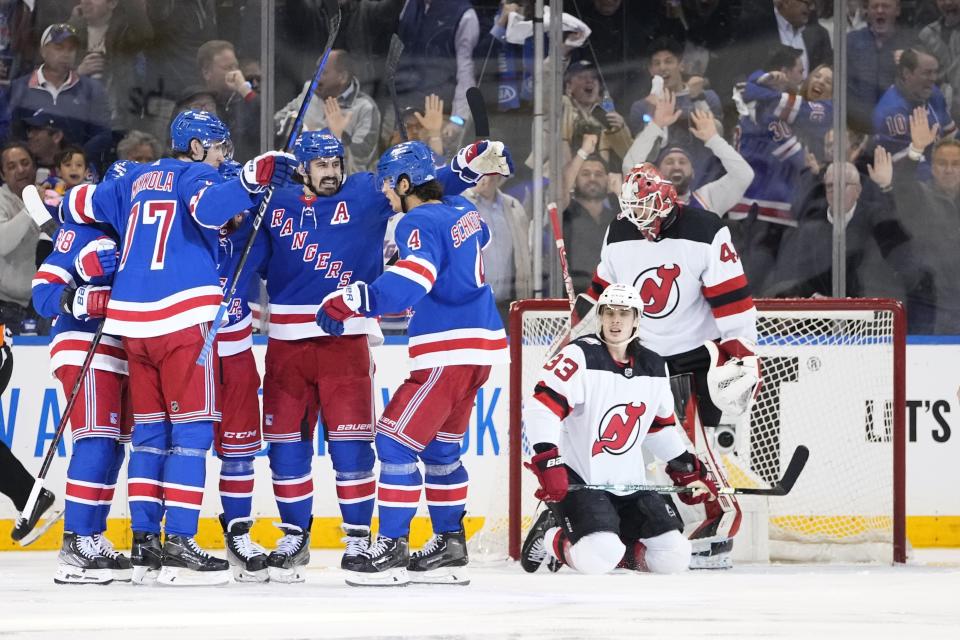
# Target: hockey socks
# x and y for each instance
(88, 489)
(398, 491)
(236, 487)
(110, 484)
(290, 464)
(151, 444)
(184, 472)
(356, 487)
(446, 489)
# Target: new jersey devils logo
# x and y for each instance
(659, 290)
(617, 431)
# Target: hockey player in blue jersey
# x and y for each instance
(455, 337)
(73, 287)
(323, 235)
(166, 291)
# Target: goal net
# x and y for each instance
(833, 380)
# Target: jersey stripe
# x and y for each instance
(51, 274)
(727, 286)
(733, 308)
(552, 400)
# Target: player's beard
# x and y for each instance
(327, 187)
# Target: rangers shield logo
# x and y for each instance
(617, 432)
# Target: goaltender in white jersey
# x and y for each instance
(600, 398)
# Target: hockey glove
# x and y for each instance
(480, 159)
(686, 471)
(734, 375)
(339, 305)
(98, 258)
(86, 302)
(551, 474)
(270, 169)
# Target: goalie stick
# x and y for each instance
(332, 10)
(780, 488)
(561, 252)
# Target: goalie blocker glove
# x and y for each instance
(686, 470)
(86, 302)
(483, 158)
(733, 378)
(339, 305)
(271, 169)
(98, 258)
(551, 473)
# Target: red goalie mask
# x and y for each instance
(647, 199)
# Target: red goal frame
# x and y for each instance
(518, 308)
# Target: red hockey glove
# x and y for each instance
(551, 474)
(86, 302)
(686, 471)
(271, 169)
(96, 259)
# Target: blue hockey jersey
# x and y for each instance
(71, 338)
(440, 274)
(891, 120)
(167, 214)
(237, 335)
(320, 244)
(765, 138)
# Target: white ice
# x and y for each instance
(921, 600)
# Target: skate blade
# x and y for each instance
(68, 574)
(41, 527)
(242, 575)
(441, 575)
(122, 575)
(286, 576)
(714, 563)
(144, 575)
(396, 577)
(181, 577)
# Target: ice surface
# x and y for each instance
(767, 601)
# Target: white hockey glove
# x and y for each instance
(86, 302)
(480, 159)
(734, 375)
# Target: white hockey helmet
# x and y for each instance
(620, 295)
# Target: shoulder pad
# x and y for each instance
(694, 224)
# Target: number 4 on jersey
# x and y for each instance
(727, 254)
(413, 242)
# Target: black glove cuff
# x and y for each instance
(684, 463)
(66, 300)
(542, 447)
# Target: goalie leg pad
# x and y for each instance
(597, 553)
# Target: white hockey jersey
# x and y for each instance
(599, 412)
(691, 281)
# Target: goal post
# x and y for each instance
(834, 380)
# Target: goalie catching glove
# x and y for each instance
(480, 159)
(551, 473)
(686, 470)
(342, 304)
(734, 375)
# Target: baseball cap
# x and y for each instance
(41, 119)
(578, 66)
(673, 149)
(58, 33)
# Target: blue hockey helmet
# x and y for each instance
(200, 125)
(316, 144)
(118, 169)
(230, 169)
(412, 159)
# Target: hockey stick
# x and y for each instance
(390, 70)
(478, 111)
(64, 418)
(332, 10)
(561, 251)
(780, 488)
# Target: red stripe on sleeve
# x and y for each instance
(552, 404)
(733, 308)
(726, 287)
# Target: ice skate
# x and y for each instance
(120, 564)
(81, 562)
(384, 564)
(534, 551)
(146, 557)
(26, 530)
(186, 564)
(287, 563)
(442, 560)
(712, 555)
(357, 540)
(247, 559)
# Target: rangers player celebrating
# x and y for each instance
(166, 291)
(323, 235)
(73, 286)
(455, 336)
(599, 399)
(698, 314)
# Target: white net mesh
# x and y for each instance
(828, 381)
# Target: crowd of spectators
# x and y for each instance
(731, 99)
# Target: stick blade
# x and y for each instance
(332, 9)
(35, 207)
(799, 460)
(478, 111)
